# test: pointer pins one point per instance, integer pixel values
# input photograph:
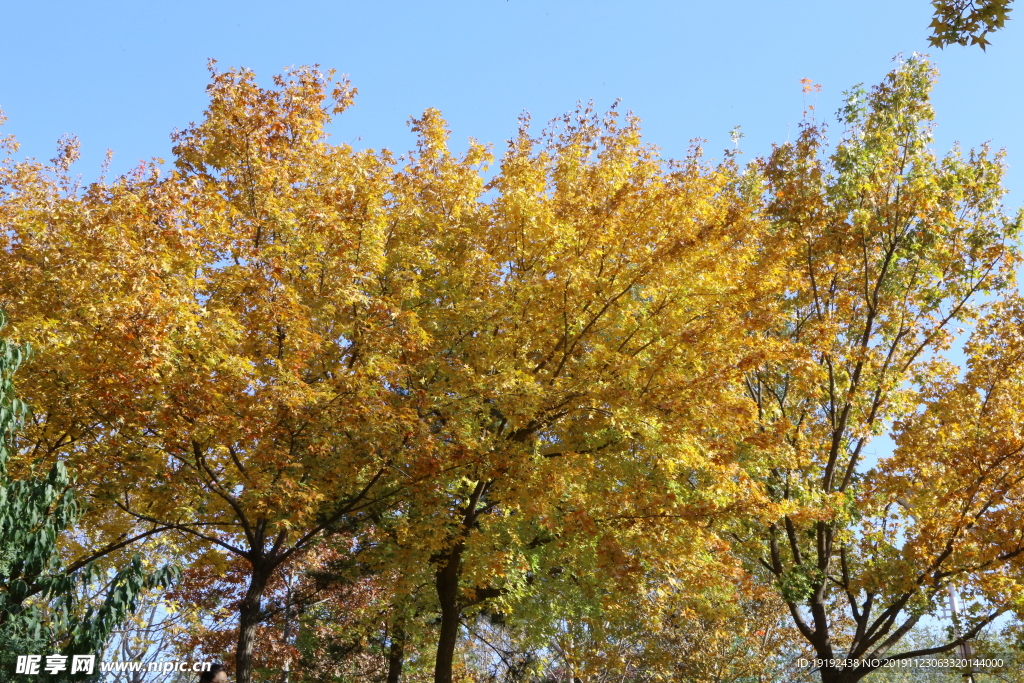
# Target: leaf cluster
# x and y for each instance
(967, 22)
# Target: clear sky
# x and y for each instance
(123, 75)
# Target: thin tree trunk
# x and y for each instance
(396, 655)
(249, 620)
(447, 583)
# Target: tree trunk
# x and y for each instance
(396, 655)
(837, 675)
(447, 583)
(449, 570)
(249, 620)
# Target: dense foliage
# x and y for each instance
(585, 414)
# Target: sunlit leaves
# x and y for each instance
(571, 367)
(283, 336)
(967, 22)
(891, 247)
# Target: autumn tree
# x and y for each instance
(561, 360)
(891, 248)
(676, 625)
(283, 336)
(203, 338)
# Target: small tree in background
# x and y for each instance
(40, 609)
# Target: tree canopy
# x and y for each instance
(283, 337)
(392, 404)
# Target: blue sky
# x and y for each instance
(123, 75)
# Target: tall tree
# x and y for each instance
(285, 336)
(205, 335)
(580, 332)
(891, 248)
